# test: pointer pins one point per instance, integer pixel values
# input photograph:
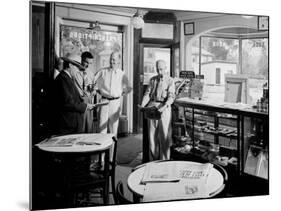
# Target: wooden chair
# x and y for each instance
(121, 199)
(112, 167)
(88, 181)
(83, 181)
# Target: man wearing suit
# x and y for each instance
(70, 108)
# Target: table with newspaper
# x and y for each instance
(175, 180)
(77, 143)
(74, 152)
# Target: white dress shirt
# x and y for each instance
(112, 83)
(82, 80)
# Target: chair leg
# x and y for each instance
(105, 193)
(113, 187)
(136, 199)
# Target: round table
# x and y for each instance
(214, 185)
(69, 148)
(77, 143)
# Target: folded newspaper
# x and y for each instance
(175, 180)
(174, 191)
(175, 171)
(160, 172)
(57, 142)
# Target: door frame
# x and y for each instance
(138, 83)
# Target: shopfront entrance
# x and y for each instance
(149, 54)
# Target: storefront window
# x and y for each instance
(219, 56)
(195, 51)
(176, 62)
(75, 40)
(219, 59)
(255, 65)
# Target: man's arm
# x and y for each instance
(97, 76)
(171, 93)
(146, 96)
(127, 88)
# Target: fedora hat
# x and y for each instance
(73, 62)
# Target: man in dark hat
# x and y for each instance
(70, 107)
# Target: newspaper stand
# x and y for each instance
(148, 113)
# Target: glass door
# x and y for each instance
(149, 54)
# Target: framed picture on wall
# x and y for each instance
(189, 28)
(263, 23)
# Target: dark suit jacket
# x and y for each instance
(69, 106)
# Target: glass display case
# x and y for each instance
(234, 137)
(207, 136)
(255, 146)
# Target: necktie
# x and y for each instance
(159, 89)
(84, 81)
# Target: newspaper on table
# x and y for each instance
(68, 141)
(160, 172)
(174, 191)
(195, 172)
(171, 171)
(57, 141)
(169, 181)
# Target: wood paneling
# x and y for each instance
(37, 38)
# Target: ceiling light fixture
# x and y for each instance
(137, 20)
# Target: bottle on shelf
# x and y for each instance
(258, 105)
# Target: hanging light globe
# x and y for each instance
(138, 21)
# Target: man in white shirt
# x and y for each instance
(111, 84)
(161, 94)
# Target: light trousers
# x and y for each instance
(88, 122)
(160, 134)
(109, 117)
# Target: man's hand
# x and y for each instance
(93, 93)
(162, 108)
(139, 106)
(90, 106)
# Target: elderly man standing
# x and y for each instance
(111, 84)
(161, 94)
